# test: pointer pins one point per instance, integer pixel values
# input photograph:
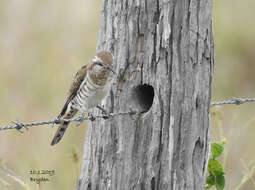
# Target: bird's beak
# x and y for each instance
(111, 69)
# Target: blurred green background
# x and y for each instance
(43, 44)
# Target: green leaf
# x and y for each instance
(216, 149)
(218, 173)
(210, 181)
(215, 166)
(217, 179)
(220, 182)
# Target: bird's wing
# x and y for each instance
(79, 77)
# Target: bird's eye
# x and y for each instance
(99, 63)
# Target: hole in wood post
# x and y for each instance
(142, 97)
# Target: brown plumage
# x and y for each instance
(89, 87)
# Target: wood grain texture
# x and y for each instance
(167, 44)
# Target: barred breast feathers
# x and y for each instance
(87, 94)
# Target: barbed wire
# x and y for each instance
(236, 101)
(18, 125)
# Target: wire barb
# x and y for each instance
(19, 126)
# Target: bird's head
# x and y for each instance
(102, 63)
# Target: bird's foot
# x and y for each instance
(56, 121)
(80, 119)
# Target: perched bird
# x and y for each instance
(90, 85)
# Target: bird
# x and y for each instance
(89, 87)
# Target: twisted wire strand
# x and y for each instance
(236, 101)
(18, 126)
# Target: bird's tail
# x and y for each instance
(62, 128)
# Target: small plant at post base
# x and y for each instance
(215, 170)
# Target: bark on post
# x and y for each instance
(167, 44)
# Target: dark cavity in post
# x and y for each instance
(142, 97)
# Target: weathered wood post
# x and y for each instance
(164, 58)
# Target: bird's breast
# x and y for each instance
(90, 94)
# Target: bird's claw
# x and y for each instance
(80, 119)
(56, 121)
